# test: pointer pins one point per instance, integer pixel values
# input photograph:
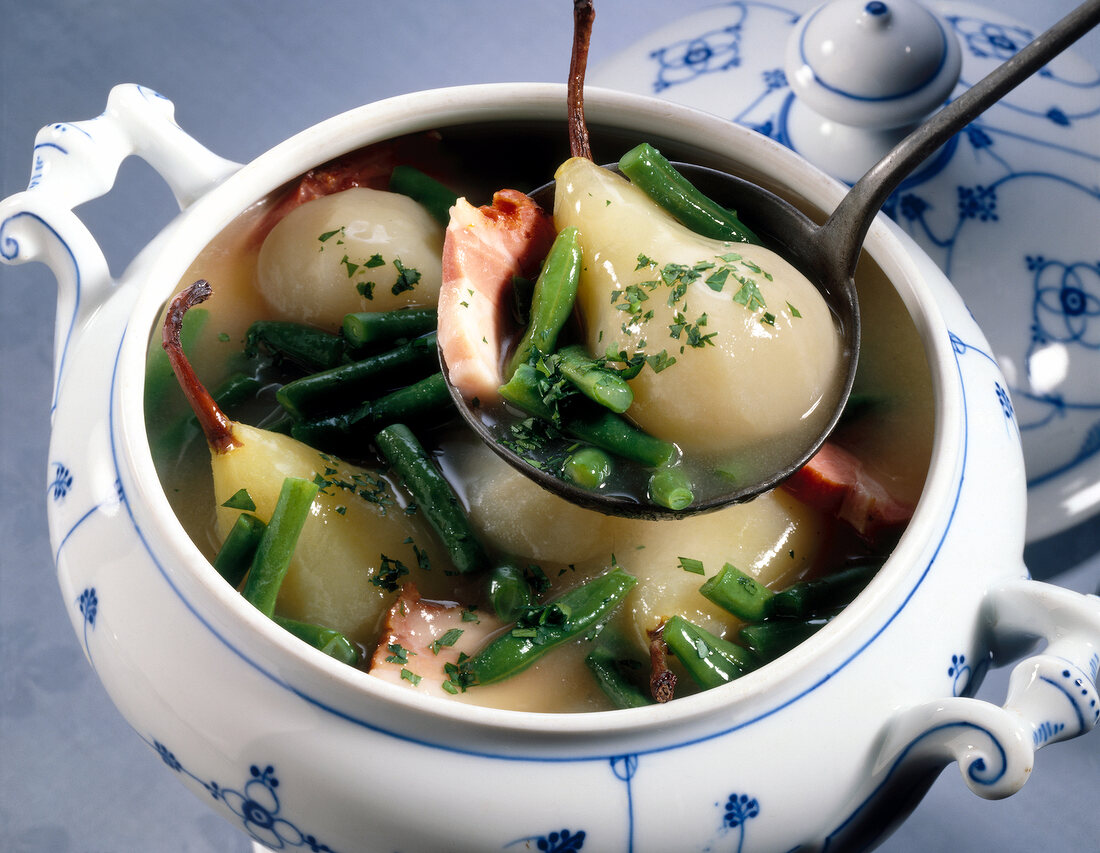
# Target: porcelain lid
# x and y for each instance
(872, 63)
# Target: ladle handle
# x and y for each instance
(846, 228)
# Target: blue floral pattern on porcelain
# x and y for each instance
(998, 209)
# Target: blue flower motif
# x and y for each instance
(257, 806)
(1004, 400)
(88, 603)
(62, 482)
(1066, 302)
(167, 756)
(561, 842)
(685, 60)
(740, 808)
(978, 203)
(959, 671)
(776, 78)
(991, 41)
(912, 206)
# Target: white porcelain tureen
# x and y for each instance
(823, 749)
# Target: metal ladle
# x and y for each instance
(827, 254)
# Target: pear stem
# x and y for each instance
(217, 428)
(583, 14)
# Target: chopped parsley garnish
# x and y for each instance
(539, 622)
(692, 336)
(694, 566)
(373, 261)
(673, 280)
(328, 235)
(242, 500)
(446, 641)
(407, 277)
(794, 311)
(351, 266)
(389, 574)
(458, 679)
(397, 653)
(411, 677)
(365, 289)
(531, 439)
(371, 489)
(536, 578)
(749, 295)
(660, 361)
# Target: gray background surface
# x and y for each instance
(243, 76)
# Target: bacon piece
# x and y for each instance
(405, 655)
(837, 482)
(483, 250)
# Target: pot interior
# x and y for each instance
(892, 433)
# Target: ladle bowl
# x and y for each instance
(827, 254)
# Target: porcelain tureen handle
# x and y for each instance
(1052, 696)
(75, 162)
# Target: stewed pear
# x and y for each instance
(358, 543)
(741, 350)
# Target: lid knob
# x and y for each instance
(864, 72)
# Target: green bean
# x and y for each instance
(277, 544)
(671, 487)
(823, 595)
(709, 660)
(235, 555)
(577, 611)
(509, 592)
(336, 433)
(774, 637)
(347, 432)
(593, 424)
(367, 328)
(428, 397)
(656, 177)
(433, 495)
(552, 300)
(588, 467)
(306, 346)
(331, 642)
(603, 386)
(742, 595)
(312, 394)
(436, 198)
(607, 670)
